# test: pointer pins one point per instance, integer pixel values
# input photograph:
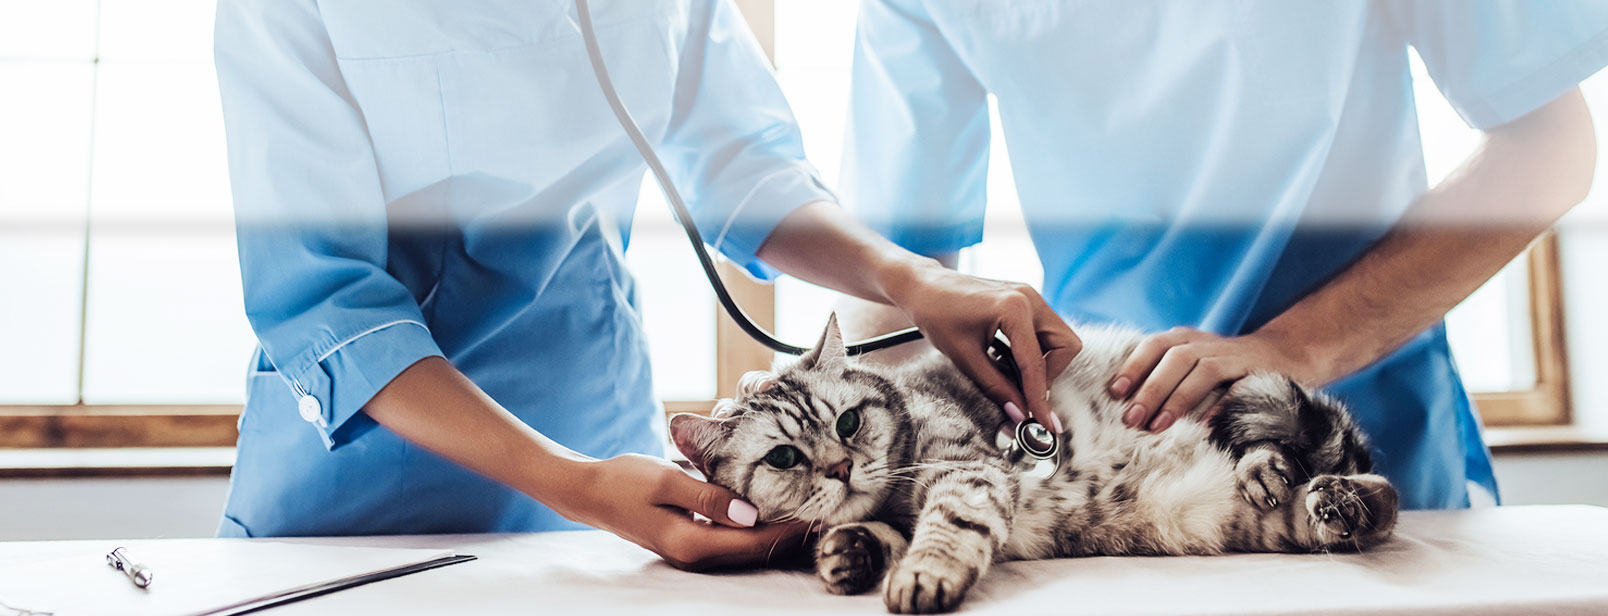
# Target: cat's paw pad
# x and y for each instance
(1356, 511)
(1264, 476)
(849, 560)
(928, 584)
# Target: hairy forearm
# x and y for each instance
(436, 406)
(1456, 236)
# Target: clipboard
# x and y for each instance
(315, 590)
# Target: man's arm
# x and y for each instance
(1518, 182)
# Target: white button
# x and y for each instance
(310, 409)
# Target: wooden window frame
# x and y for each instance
(1546, 403)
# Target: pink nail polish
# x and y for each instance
(1055, 423)
(742, 513)
(1161, 422)
(1119, 387)
(1014, 412)
(1135, 414)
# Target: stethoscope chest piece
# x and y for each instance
(1033, 450)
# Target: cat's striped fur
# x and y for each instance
(919, 497)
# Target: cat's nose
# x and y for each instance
(840, 471)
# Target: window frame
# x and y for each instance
(1546, 403)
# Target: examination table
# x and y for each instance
(1512, 560)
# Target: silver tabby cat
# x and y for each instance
(902, 468)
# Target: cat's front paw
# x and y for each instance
(1358, 511)
(850, 560)
(1264, 476)
(928, 583)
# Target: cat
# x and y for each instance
(901, 467)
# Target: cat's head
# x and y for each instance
(820, 439)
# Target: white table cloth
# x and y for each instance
(1531, 560)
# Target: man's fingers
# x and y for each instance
(712, 501)
(1175, 364)
(1139, 363)
(1204, 379)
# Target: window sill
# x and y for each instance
(1545, 439)
(116, 462)
(217, 461)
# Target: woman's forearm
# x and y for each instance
(820, 243)
(436, 406)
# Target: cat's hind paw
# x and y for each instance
(1356, 512)
(850, 560)
(1264, 476)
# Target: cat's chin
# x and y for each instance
(856, 507)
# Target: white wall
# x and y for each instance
(32, 509)
(110, 508)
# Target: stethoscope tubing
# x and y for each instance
(673, 196)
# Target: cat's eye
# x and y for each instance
(784, 457)
(848, 423)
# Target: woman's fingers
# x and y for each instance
(1030, 368)
(681, 490)
(976, 365)
(693, 546)
(1059, 343)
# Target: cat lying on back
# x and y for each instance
(901, 467)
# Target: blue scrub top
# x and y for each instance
(1205, 163)
(416, 178)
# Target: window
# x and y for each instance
(121, 323)
(115, 229)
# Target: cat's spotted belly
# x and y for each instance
(1144, 494)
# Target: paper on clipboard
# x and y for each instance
(201, 577)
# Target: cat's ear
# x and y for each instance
(696, 436)
(829, 351)
(755, 381)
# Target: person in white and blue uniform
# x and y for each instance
(1241, 170)
(432, 202)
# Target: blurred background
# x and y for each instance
(117, 264)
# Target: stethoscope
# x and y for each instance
(1033, 445)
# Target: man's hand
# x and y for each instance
(959, 315)
(1172, 373)
(650, 502)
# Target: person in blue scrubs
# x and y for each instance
(1248, 173)
(432, 202)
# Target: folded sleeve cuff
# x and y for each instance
(756, 216)
(1540, 87)
(333, 388)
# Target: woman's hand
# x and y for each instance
(959, 315)
(650, 502)
(1172, 373)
